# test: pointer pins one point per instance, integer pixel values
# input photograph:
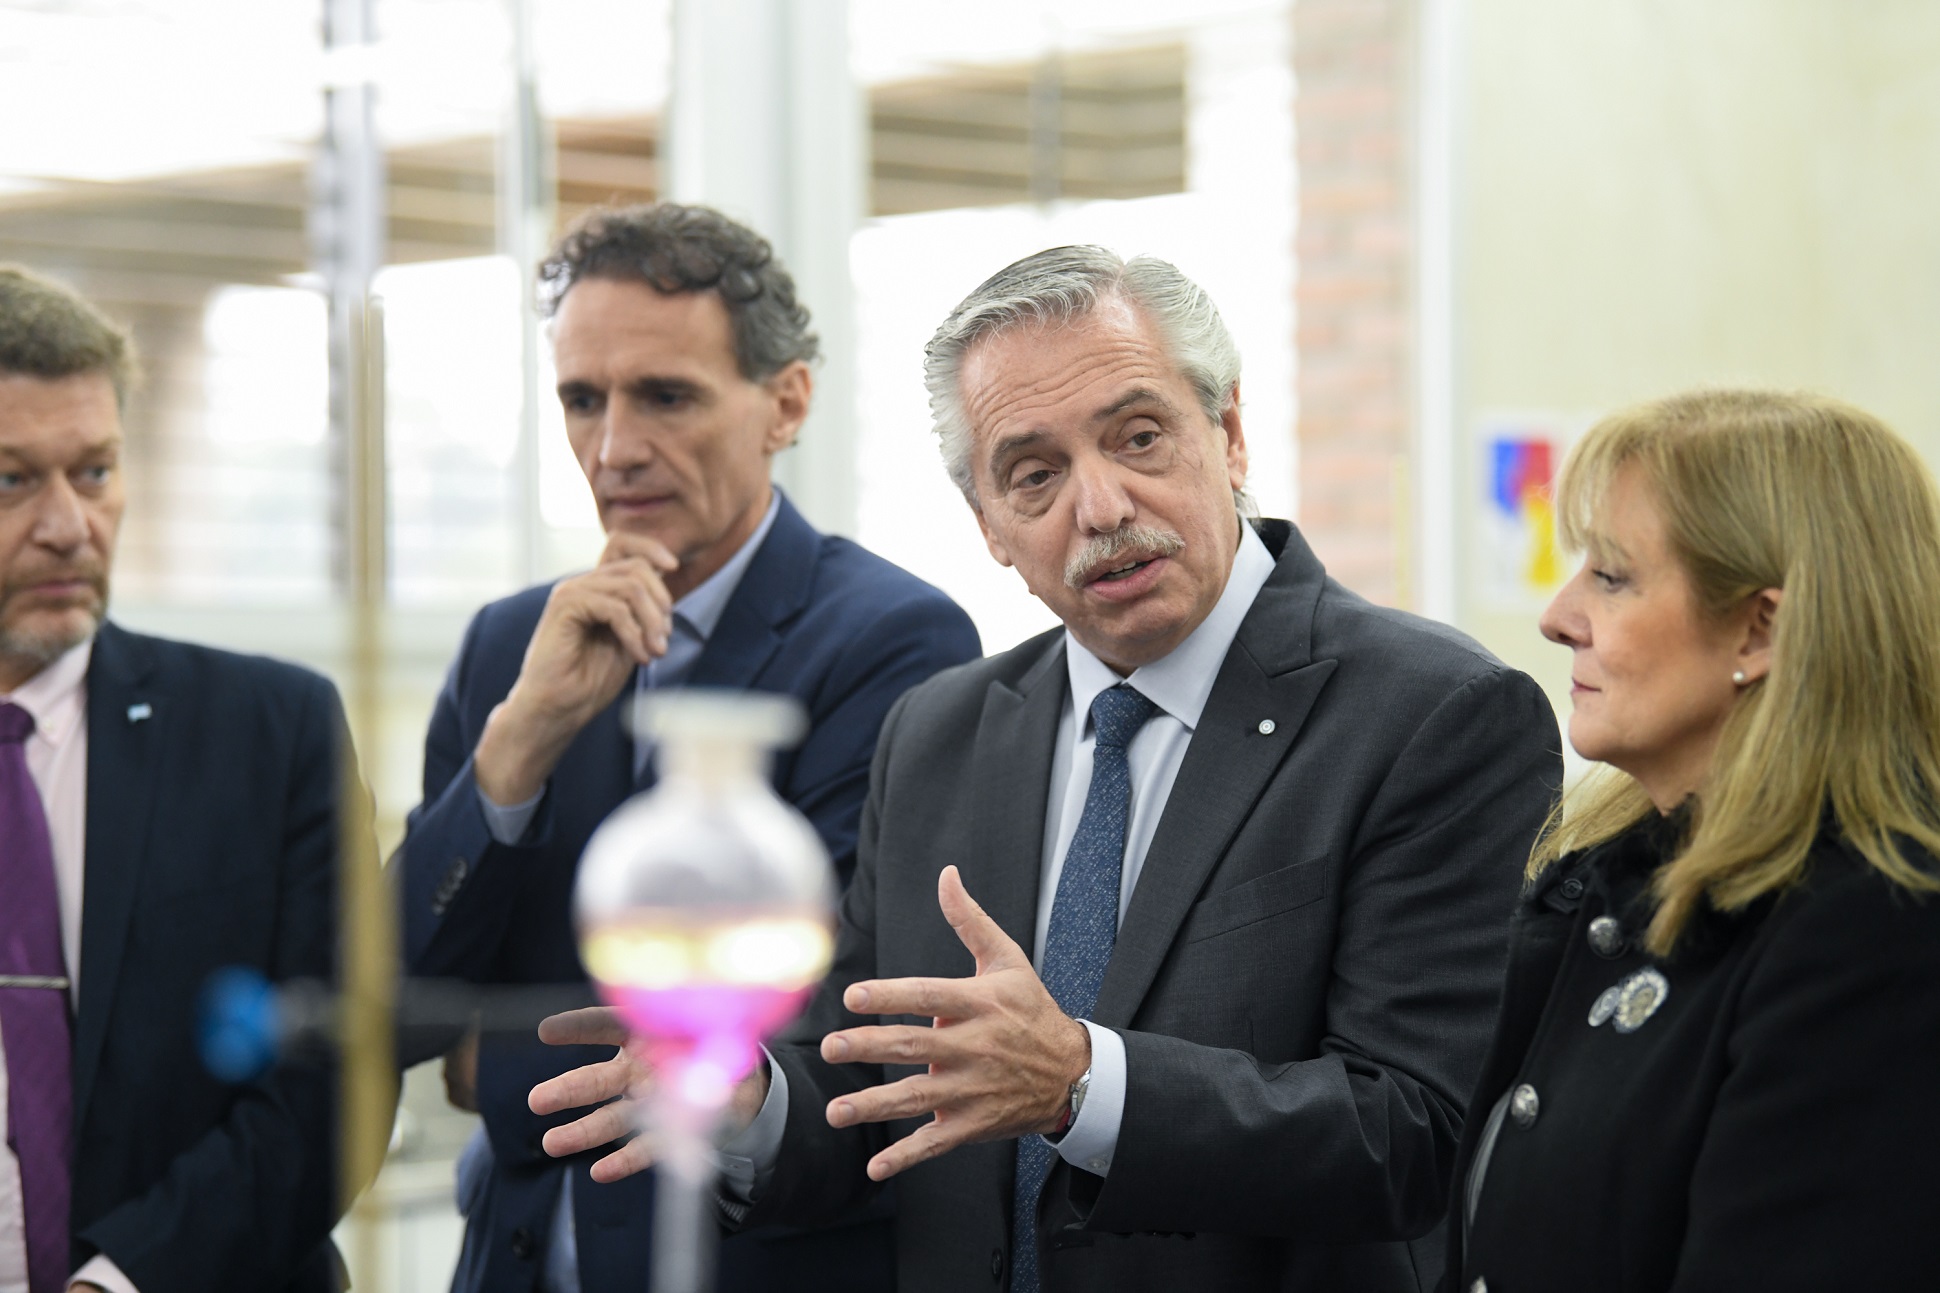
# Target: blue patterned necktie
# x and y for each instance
(1084, 927)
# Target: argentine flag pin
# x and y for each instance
(136, 713)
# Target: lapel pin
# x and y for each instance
(1631, 1002)
(1606, 1005)
(1266, 726)
(136, 713)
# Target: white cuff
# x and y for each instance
(101, 1270)
(1091, 1140)
(748, 1157)
(508, 823)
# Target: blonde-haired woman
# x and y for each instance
(1718, 1060)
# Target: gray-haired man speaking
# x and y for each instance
(1176, 932)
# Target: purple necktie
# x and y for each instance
(34, 1025)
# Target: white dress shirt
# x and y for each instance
(1178, 685)
(57, 760)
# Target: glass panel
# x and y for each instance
(1179, 115)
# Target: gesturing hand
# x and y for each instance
(623, 1080)
(1001, 1056)
(597, 627)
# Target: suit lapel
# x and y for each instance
(125, 755)
(772, 591)
(1010, 779)
(1268, 676)
(596, 775)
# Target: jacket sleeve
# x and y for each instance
(1817, 1167)
(1357, 1143)
(445, 864)
(255, 1197)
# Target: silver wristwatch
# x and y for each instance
(1078, 1090)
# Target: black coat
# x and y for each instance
(212, 822)
(1774, 1124)
(1304, 980)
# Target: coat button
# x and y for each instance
(1524, 1105)
(522, 1245)
(1606, 937)
(996, 1263)
(1572, 888)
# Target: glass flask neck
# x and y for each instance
(712, 765)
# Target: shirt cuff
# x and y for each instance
(508, 823)
(1091, 1140)
(747, 1158)
(101, 1270)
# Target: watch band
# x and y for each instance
(1074, 1102)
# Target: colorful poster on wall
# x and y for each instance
(1521, 563)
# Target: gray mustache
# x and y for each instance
(1108, 550)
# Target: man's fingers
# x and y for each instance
(593, 1026)
(591, 1084)
(894, 1044)
(634, 1156)
(952, 998)
(603, 1126)
(993, 948)
(921, 1145)
(919, 1093)
(621, 544)
(617, 612)
(633, 574)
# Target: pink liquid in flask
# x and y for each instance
(704, 1037)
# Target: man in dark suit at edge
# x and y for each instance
(683, 366)
(165, 810)
(1245, 847)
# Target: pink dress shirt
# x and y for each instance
(57, 759)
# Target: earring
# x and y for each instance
(1739, 678)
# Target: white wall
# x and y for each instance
(1653, 195)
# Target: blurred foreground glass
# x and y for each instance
(705, 911)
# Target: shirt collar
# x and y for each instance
(57, 696)
(701, 608)
(1180, 683)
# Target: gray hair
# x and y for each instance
(1060, 285)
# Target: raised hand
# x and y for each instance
(624, 1080)
(597, 627)
(1001, 1056)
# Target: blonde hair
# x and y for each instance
(1805, 494)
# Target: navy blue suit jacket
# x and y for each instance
(212, 830)
(814, 617)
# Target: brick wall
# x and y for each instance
(1352, 106)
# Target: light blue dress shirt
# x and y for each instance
(695, 617)
(1179, 685)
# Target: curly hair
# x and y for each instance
(48, 330)
(674, 248)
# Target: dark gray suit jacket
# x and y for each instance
(1305, 979)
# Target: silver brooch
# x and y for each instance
(1631, 1002)
(1606, 1005)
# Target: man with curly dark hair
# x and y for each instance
(684, 360)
